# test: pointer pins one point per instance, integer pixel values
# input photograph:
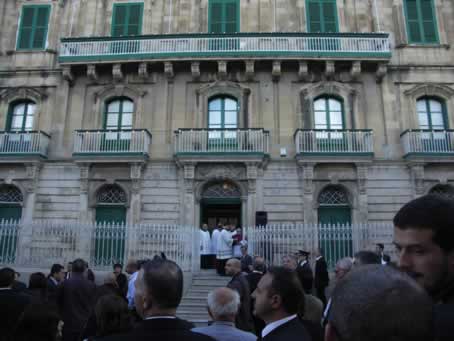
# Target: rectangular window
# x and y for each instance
(127, 19)
(223, 16)
(33, 27)
(321, 16)
(421, 22)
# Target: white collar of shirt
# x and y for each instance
(133, 276)
(159, 317)
(318, 257)
(273, 325)
(53, 280)
(303, 262)
(5, 289)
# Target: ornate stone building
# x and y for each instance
(186, 111)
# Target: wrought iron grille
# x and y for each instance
(222, 190)
(9, 193)
(446, 191)
(111, 194)
(333, 196)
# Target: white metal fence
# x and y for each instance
(337, 241)
(334, 141)
(204, 45)
(26, 142)
(111, 141)
(42, 243)
(221, 141)
(428, 141)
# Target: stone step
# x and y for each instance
(205, 281)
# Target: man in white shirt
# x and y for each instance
(132, 269)
(278, 298)
(205, 247)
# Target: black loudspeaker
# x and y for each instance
(261, 218)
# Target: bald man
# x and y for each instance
(239, 283)
(223, 305)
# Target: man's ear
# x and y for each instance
(330, 333)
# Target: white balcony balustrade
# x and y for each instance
(112, 142)
(222, 141)
(349, 142)
(428, 142)
(254, 45)
(27, 143)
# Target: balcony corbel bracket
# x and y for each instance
(249, 64)
(381, 72)
(222, 69)
(91, 72)
(143, 71)
(330, 69)
(117, 73)
(276, 72)
(303, 71)
(355, 71)
(195, 70)
(168, 70)
(67, 74)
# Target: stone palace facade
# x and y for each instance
(191, 111)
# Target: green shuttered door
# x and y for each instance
(322, 16)
(33, 27)
(127, 19)
(110, 242)
(421, 21)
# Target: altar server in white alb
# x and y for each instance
(205, 247)
(214, 245)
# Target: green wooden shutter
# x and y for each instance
(127, 19)
(223, 16)
(429, 25)
(414, 30)
(314, 17)
(329, 10)
(33, 27)
(231, 17)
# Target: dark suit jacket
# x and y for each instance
(253, 279)
(243, 319)
(122, 282)
(12, 305)
(161, 330)
(293, 330)
(306, 277)
(245, 262)
(321, 274)
(75, 299)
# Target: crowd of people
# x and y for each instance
(369, 299)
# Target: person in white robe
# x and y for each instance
(225, 250)
(214, 244)
(205, 247)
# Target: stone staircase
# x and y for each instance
(193, 306)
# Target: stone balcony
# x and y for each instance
(334, 145)
(428, 145)
(111, 145)
(23, 146)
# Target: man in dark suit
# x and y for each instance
(321, 280)
(304, 271)
(12, 303)
(122, 280)
(239, 283)
(75, 300)
(56, 276)
(278, 298)
(253, 278)
(158, 292)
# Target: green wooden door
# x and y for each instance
(110, 235)
(9, 215)
(335, 234)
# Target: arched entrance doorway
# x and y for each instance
(221, 203)
(334, 217)
(110, 231)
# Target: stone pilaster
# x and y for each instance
(307, 185)
(136, 174)
(361, 175)
(84, 169)
(189, 195)
(417, 175)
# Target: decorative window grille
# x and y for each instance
(10, 194)
(222, 190)
(333, 196)
(111, 194)
(446, 191)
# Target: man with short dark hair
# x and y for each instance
(278, 298)
(380, 250)
(321, 278)
(239, 283)
(158, 292)
(304, 271)
(121, 279)
(378, 303)
(365, 258)
(424, 240)
(12, 303)
(75, 299)
(56, 276)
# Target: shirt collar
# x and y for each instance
(169, 317)
(53, 280)
(273, 325)
(318, 257)
(6, 288)
(224, 323)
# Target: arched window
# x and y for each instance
(328, 113)
(111, 194)
(445, 191)
(21, 116)
(222, 113)
(431, 113)
(119, 114)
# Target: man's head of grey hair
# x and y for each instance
(223, 304)
(345, 263)
(376, 303)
